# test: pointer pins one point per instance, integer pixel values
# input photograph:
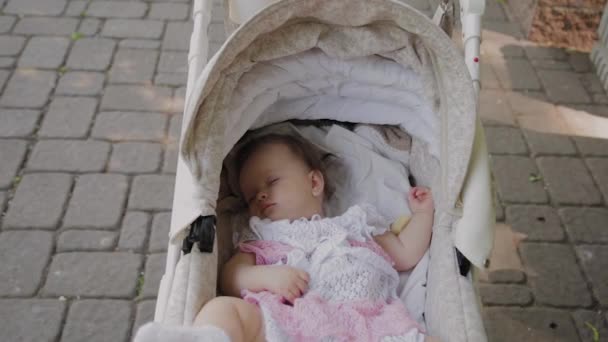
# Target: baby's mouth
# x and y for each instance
(267, 206)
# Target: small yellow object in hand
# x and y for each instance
(400, 224)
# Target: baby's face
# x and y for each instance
(278, 185)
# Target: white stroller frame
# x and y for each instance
(239, 11)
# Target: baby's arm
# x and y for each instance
(407, 248)
(239, 273)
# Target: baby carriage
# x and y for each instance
(377, 62)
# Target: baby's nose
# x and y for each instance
(262, 195)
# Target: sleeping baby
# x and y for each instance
(303, 276)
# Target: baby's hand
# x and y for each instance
(287, 281)
(420, 200)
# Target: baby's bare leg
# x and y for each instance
(242, 321)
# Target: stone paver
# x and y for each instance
(505, 295)
(507, 276)
(177, 36)
(5, 62)
(516, 73)
(130, 126)
(6, 23)
(134, 231)
(140, 44)
(586, 225)
(98, 320)
(44, 52)
(35, 7)
(592, 146)
(11, 45)
(24, 257)
(68, 117)
(568, 181)
(171, 79)
(145, 313)
(592, 83)
(517, 180)
(580, 61)
(155, 268)
(12, 153)
(539, 223)
(135, 157)
(529, 325)
(97, 202)
(32, 320)
(132, 28)
(138, 98)
(69, 155)
(494, 108)
(108, 274)
(28, 89)
(73, 240)
(554, 275)
(80, 83)
(550, 64)
(133, 66)
(45, 26)
(175, 127)
(173, 62)
(169, 11)
(91, 54)
(159, 239)
(584, 318)
(3, 198)
(90, 27)
(4, 74)
(76, 8)
(117, 9)
(563, 86)
(18, 122)
(599, 170)
(540, 52)
(170, 161)
(549, 144)
(38, 201)
(505, 140)
(151, 192)
(595, 263)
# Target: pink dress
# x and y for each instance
(352, 289)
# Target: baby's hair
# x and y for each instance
(301, 148)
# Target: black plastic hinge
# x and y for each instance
(202, 232)
(464, 265)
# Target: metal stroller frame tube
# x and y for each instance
(470, 16)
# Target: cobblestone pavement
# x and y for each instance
(90, 99)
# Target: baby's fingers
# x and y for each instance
(302, 286)
(304, 276)
(292, 294)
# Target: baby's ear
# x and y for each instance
(318, 182)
